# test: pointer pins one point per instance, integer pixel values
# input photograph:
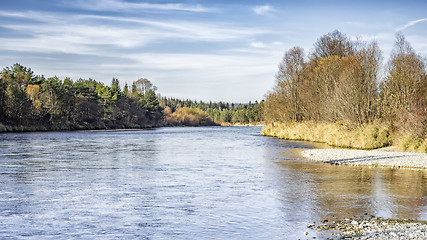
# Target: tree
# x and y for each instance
(143, 85)
(333, 44)
(115, 89)
(19, 74)
(126, 90)
(290, 80)
(33, 92)
(52, 93)
(338, 83)
(17, 105)
(14, 103)
(3, 87)
(404, 89)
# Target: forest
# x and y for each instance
(342, 94)
(30, 102)
(220, 112)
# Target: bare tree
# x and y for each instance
(404, 88)
(333, 44)
(356, 92)
(289, 81)
(143, 85)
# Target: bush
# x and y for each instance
(187, 117)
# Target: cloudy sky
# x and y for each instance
(202, 50)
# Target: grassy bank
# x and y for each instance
(369, 136)
(366, 137)
(410, 143)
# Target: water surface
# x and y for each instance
(185, 183)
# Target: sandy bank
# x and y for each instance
(370, 158)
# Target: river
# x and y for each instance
(186, 183)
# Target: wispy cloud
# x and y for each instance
(411, 23)
(82, 34)
(235, 69)
(120, 5)
(190, 30)
(263, 10)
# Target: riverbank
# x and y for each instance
(367, 137)
(238, 124)
(370, 136)
(371, 227)
(69, 127)
(374, 158)
(73, 127)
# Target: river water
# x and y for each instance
(185, 183)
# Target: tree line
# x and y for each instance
(219, 112)
(30, 102)
(344, 80)
(34, 102)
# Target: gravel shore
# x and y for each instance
(371, 158)
(370, 227)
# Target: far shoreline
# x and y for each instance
(63, 128)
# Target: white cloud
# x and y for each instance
(411, 23)
(263, 10)
(214, 75)
(119, 5)
(73, 38)
(83, 34)
(258, 44)
(191, 30)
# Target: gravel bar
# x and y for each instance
(370, 227)
(370, 158)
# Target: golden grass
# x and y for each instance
(408, 142)
(369, 136)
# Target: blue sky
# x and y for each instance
(201, 50)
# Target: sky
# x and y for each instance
(224, 50)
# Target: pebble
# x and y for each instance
(371, 158)
(370, 227)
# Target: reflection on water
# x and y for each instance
(185, 183)
(347, 191)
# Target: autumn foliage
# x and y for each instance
(186, 116)
(340, 83)
(29, 102)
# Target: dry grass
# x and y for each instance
(408, 142)
(369, 136)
